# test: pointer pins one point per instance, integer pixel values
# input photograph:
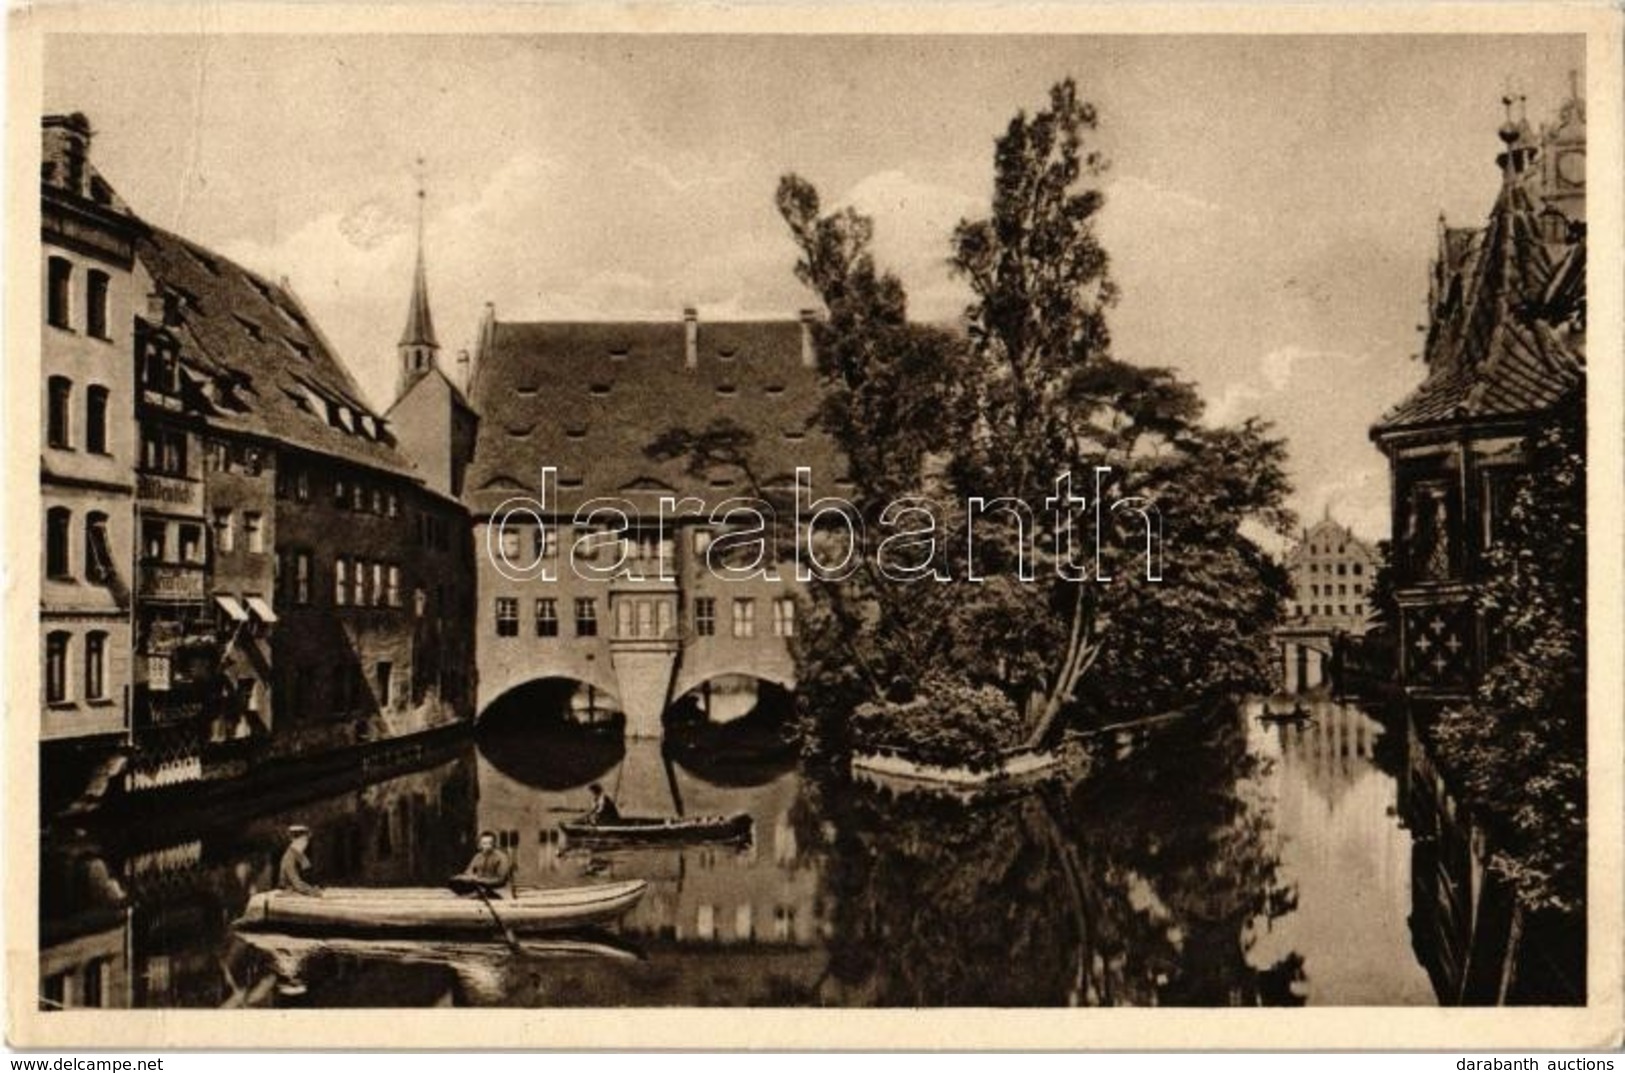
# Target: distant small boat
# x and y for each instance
(434, 909)
(661, 829)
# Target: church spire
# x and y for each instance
(418, 345)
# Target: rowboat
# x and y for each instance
(661, 829)
(434, 909)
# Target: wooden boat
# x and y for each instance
(434, 909)
(661, 829)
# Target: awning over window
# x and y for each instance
(261, 609)
(232, 608)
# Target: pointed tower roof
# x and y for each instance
(419, 323)
(1496, 355)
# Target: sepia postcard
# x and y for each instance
(814, 526)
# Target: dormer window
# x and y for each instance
(774, 389)
(575, 433)
(599, 389)
(727, 390)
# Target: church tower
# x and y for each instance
(418, 346)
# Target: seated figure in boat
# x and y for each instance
(489, 870)
(603, 806)
(291, 875)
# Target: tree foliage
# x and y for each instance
(1519, 750)
(1027, 392)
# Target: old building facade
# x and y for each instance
(1332, 571)
(91, 283)
(242, 563)
(1505, 345)
(625, 601)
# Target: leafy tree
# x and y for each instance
(1519, 750)
(1029, 393)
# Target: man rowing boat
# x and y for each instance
(488, 871)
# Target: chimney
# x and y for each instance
(809, 355)
(691, 337)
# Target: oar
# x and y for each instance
(507, 932)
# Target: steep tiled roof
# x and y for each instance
(589, 398)
(235, 324)
(1500, 350)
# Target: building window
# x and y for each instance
(96, 419)
(58, 521)
(547, 542)
(1358, 588)
(301, 577)
(1342, 609)
(384, 674)
(394, 506)
(586, 617)
(191, 543)
(1342, 590)
(163, 451)
(341, 582)
(1359, 609)
(339, 495)
(254, 529)
(361, 596)
(1314, 590)
(705, 617)
(56, 667)
(1342, 569)
(98, 551)
(624, 624)
(507, 616)
(95, 666)
(154, 541)
(392, 594)
(380, 596)
(58, 414)
(784, 617)
(510, 544)
(225, 532)
(96, 304)
(744, 617)
(1358, 569)
(59, 293)
(547, 618)
(97, 971)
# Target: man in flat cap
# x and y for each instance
(291, 875)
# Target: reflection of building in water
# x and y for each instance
(1346, 855)
(175, 897)
(84, 932)
(707, 904)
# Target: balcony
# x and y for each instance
(172, 581)
(169, 493)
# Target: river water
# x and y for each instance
(1221, 862)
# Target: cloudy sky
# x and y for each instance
(1271, 206)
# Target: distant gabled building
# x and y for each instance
(1505, 345)
(588, 399)
(1332, 571)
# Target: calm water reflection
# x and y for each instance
(1223, 862)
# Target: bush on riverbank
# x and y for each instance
(953, 724)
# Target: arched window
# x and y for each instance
(56, 667)
(96, 318)
(96, 419)
(98, 551)
(58, 294)
(58, 414)
(96, 666)
(58, 559)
